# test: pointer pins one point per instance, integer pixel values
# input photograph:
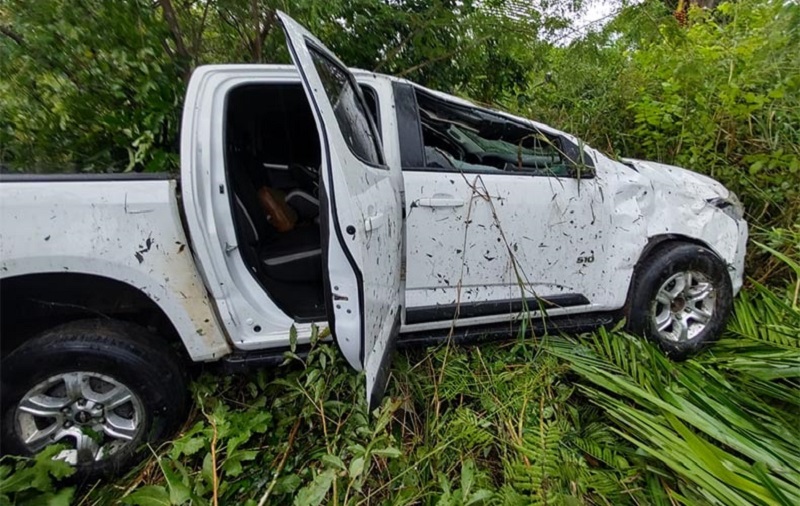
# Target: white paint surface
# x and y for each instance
(533, 229)
(365, 288)
(128, 231)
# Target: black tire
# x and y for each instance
(119, 351)
(657, 269)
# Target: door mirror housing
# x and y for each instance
(580, 164)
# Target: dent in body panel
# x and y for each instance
(563, 235)
(680, 204)
(543, 236)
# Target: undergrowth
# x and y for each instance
(602, 418)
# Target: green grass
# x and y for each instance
(602, 418)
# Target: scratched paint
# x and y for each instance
(367, 199)
(502, 236)
(552, 236)
(129, 231)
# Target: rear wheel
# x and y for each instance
(101, 388)
(681, 299)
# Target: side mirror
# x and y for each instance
(580, 163)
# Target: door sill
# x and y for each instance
(446, 312)
(242, 361)
(570, 324)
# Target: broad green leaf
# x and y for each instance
(356, 467)
(150, 495)
(314, 493)
(287, 484)
(387, 452)
(333, 461)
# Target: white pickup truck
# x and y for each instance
(313, 195)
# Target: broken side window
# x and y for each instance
(468, 139)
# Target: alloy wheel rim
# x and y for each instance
(94, 415)
(683, 306)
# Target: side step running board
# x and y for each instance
(570, 324)
(240, 361)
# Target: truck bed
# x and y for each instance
(14, 177)
(123, 227)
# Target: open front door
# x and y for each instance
(360, 213)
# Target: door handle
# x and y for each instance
(374, 221)
(440, 201)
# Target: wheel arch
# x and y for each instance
(655, 244)
(33, 302)
(658, 241)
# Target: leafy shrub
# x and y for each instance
(720, 96)
(35, 481)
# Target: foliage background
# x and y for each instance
(90, 85)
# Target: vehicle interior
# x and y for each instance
(467, 139)
(272, 165)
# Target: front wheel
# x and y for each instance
(681, 299)
(101, 388)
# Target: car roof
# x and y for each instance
(462, 101)
(291, 70)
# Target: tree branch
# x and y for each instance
(263, 24)
(11, 34)
(393, 52)
(255, 47)
(269, 22)
(445, 56)
(198, 37)
(228, 19)
(175, 28)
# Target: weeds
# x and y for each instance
(602, 418)
(34, 481)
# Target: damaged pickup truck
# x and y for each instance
(313, 195)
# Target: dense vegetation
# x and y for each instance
(602, 418)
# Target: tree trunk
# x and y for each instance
(177, 36)
(682, 9)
